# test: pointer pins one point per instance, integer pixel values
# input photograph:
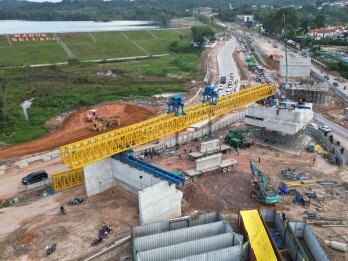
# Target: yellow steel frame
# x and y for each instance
(67, 179)
(86, 151)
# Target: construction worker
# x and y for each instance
(283, 217)
(179, 156)
(313, 160)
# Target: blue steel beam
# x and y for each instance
(149, 168)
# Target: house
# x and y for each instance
(330, 32)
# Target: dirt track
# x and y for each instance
(75, 128)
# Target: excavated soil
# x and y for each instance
(76, 128)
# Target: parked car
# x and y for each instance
(313, 125)
(35, 177)
(324, 128)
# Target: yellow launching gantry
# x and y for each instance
(86, 151)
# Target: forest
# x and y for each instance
(99, 10)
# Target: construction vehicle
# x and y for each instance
(102, 123)
(234, 138)
(92, 115)
(262, 191)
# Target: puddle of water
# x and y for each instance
(26, 105)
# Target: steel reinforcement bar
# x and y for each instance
(86, 151)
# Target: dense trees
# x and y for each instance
(200, 33)
(156, 10)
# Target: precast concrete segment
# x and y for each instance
(208, 146)
(159, 202)
(281, 120)
(208, 162)
(80, 153)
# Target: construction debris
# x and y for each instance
(336, 245)
(292, 174)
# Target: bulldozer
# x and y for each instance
(92, 115)
(102, 123)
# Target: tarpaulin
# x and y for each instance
(259, 241)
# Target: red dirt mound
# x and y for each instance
(76, 128)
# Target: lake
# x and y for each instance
(21, 27)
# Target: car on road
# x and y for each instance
(327, 77)
(335, 84)
(325, 128)
(221, 87)
(228, 91)
(229, 86)
(313, 125)
(231, 74)
(34, 177)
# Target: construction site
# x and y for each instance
(231, 173)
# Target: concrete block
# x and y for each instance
(159, 202)
(132, 179)
(3, 167)
(45, 159)
(98, 177)
(284, 120)
(208, 146)
(2, 172)
(208, 162)
(22, 164)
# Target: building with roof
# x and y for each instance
(330, 32)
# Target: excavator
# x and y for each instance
(262, 191)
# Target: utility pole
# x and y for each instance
(286, 56)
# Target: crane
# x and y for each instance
(92, 149)
(235, 139)
(262, 191)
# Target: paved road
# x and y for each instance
(227, 65)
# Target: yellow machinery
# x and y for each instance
(67, 179)
(86, 151)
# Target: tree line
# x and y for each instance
(99, 10)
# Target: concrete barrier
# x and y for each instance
(39, 184)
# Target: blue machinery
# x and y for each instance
(128, 158)
(176, 105)
(210, 95)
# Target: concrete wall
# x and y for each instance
(132, 179)
(208, 162)
(208, 146)
(98, 176)
(159, 202)
(297, 66)
(285, 121)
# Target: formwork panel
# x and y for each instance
(187, 248)
(180, 235)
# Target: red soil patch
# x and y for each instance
(76, 128)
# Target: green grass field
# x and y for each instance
(89, 46)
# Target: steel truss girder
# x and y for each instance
(89, 150)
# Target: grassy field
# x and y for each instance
(62, 88)
(89, 46)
